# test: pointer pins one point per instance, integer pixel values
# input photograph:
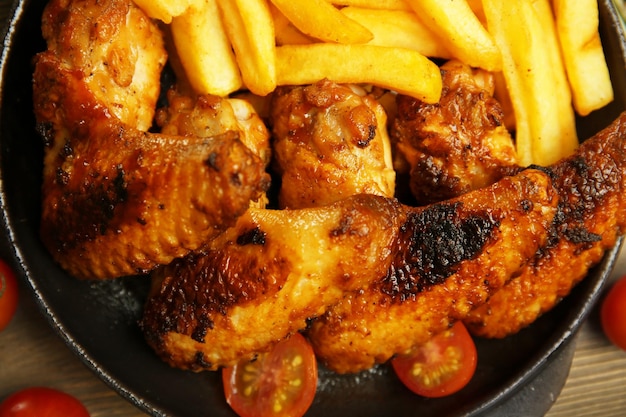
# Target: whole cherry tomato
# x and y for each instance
(8, 294)
(613, 314)
(42, 402)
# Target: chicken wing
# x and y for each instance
(456, 145)
(592, 214)
(207, 116)
(264, 278)
(117, 200)
(461, 251)
(117, 50)
(330, 142)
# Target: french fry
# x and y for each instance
(402, 70)
(321, 20)
(460, 31)
(577, 27)
(477, 8)
(545, 129)
(398, 28)
(374, 4)
(287, 33)
(164, 10)
(250, 28)
(210, 69)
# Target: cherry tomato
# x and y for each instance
(281, 382)
(613, 314)
(8, 294)
(42, 402)
(442, 366)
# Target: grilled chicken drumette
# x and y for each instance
(330, 142)
(458, 144)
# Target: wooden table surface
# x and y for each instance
(32, 354)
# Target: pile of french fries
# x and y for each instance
(547, 53)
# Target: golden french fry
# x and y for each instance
(402, 70)
(374, 4)
(164, 10)
(545, 129)
(577, 27)
(250, 28)
(321, 20)
(210, 69)
(286, 32)
(460, 31)
(398, 28)
(477, 8)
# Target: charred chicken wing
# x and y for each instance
(592, 214)
(456, 145)
(117, 200)
(264, 278)
(454, 256)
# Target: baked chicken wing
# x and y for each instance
(264, 278)
(116, 199)
(458, 144)
(592, 214)
(114, 48)
(330, 142)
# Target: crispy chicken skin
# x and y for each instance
(264, 278)
(330, 142)
(459, 252)
(117, 200)
(456, 145)
(206, 116)
(592, 214)
(117, 50)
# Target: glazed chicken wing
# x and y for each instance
(116, 50)
(117, 200)
(592, 214)
(458, 144)
(330, 142)
(459, 252)
(264, 278)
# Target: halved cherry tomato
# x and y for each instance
(281, 382)
(442, 366)
(8, 294)
(42, 402)
(613, 314)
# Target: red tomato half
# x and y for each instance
(281, 382)
(8, 294)
(42, 402)
(613, 314)
(442, 366)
